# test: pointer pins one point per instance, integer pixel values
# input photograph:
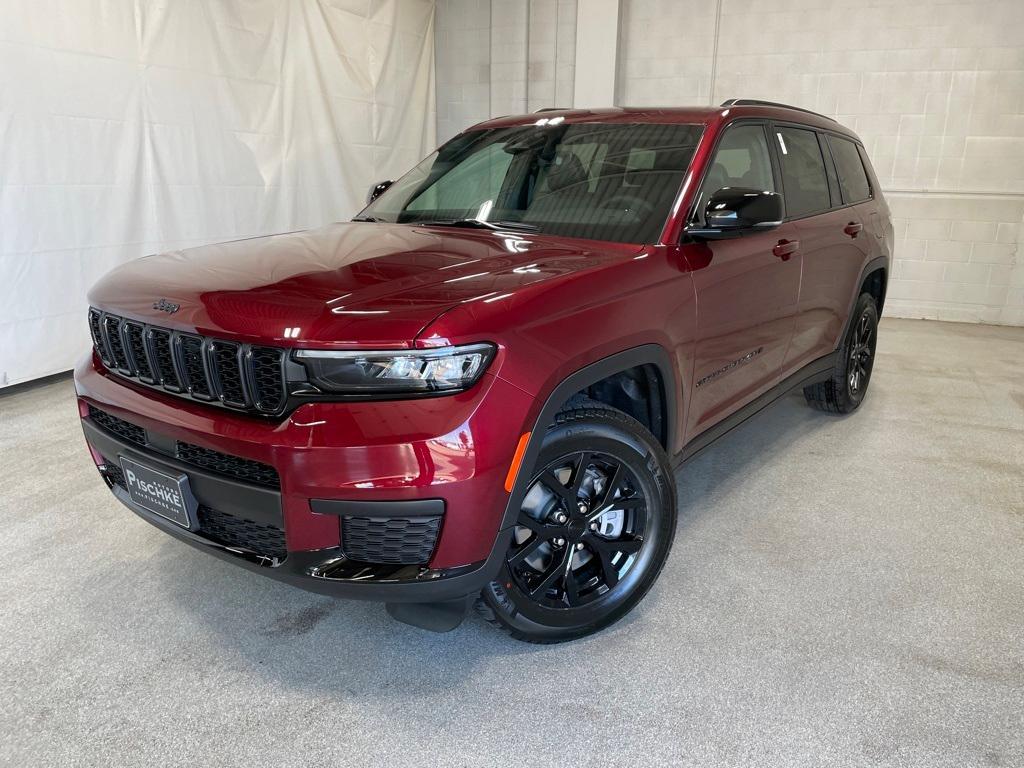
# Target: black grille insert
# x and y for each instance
(119, 427)
(228, 372)
(224, 528)
(195, 367)
(268, 378)
(246, 470)
(96, 331)
(112, 332)
(224, 464)
(164, 358)
(405, 540)
(239, 376)
(113, 474)
(231, 531)
(135, 333)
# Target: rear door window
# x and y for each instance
(853, 179)
(804, 183)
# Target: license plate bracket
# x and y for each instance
(168, 496)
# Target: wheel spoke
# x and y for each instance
(578, 474)
(556, 570)
(553, 484)
(572, 586)
(627, 546)
(538, 528)
(611, 575)
(527, 549)
(605, 550)
(613, 484)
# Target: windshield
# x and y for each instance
(599, 181)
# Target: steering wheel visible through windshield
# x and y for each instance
(601, 181)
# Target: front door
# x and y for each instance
(746, 288)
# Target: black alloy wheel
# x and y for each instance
(844, 391)
(593, 530)
(862, 353)
(577, 543)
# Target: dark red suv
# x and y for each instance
(477, 390)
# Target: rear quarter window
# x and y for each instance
(853, 179)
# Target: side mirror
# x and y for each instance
(736, 211)
(377, 190)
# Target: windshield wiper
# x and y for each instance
(478, 224)
(367, 218)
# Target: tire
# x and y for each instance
(594, 531)
(845, 391)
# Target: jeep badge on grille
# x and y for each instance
(166, 306)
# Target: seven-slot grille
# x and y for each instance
(240, 376)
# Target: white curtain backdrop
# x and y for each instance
(130, 127)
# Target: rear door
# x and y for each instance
(746, 288)
(832, 241)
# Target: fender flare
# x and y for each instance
(882, 262)
(646, 354)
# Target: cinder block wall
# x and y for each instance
(935, 89)
(501, 57)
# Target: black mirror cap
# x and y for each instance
(734, 211)
(377, 190)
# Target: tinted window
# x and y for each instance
(601, 181)
(479, 178)
(741, 160)
(804, 183)
(852, 178)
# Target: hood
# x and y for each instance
(347, 284)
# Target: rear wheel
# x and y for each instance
(593, 531)
(845, 391)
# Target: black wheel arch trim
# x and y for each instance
(880, 263)
(645, 354)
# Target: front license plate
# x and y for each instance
(166, 495)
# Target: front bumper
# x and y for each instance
(371, 455)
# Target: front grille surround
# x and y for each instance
(242, 377)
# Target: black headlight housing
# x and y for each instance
(407, 373)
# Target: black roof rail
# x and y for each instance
(760, 103)
(550, 109)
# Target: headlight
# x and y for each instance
(415, 371)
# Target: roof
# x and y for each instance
(696, 115)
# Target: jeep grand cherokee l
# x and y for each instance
(477, 390)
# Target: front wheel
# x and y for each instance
(593, 532)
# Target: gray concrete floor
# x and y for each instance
(842, 591)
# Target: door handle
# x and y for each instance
(853, 228)
(786, 248)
